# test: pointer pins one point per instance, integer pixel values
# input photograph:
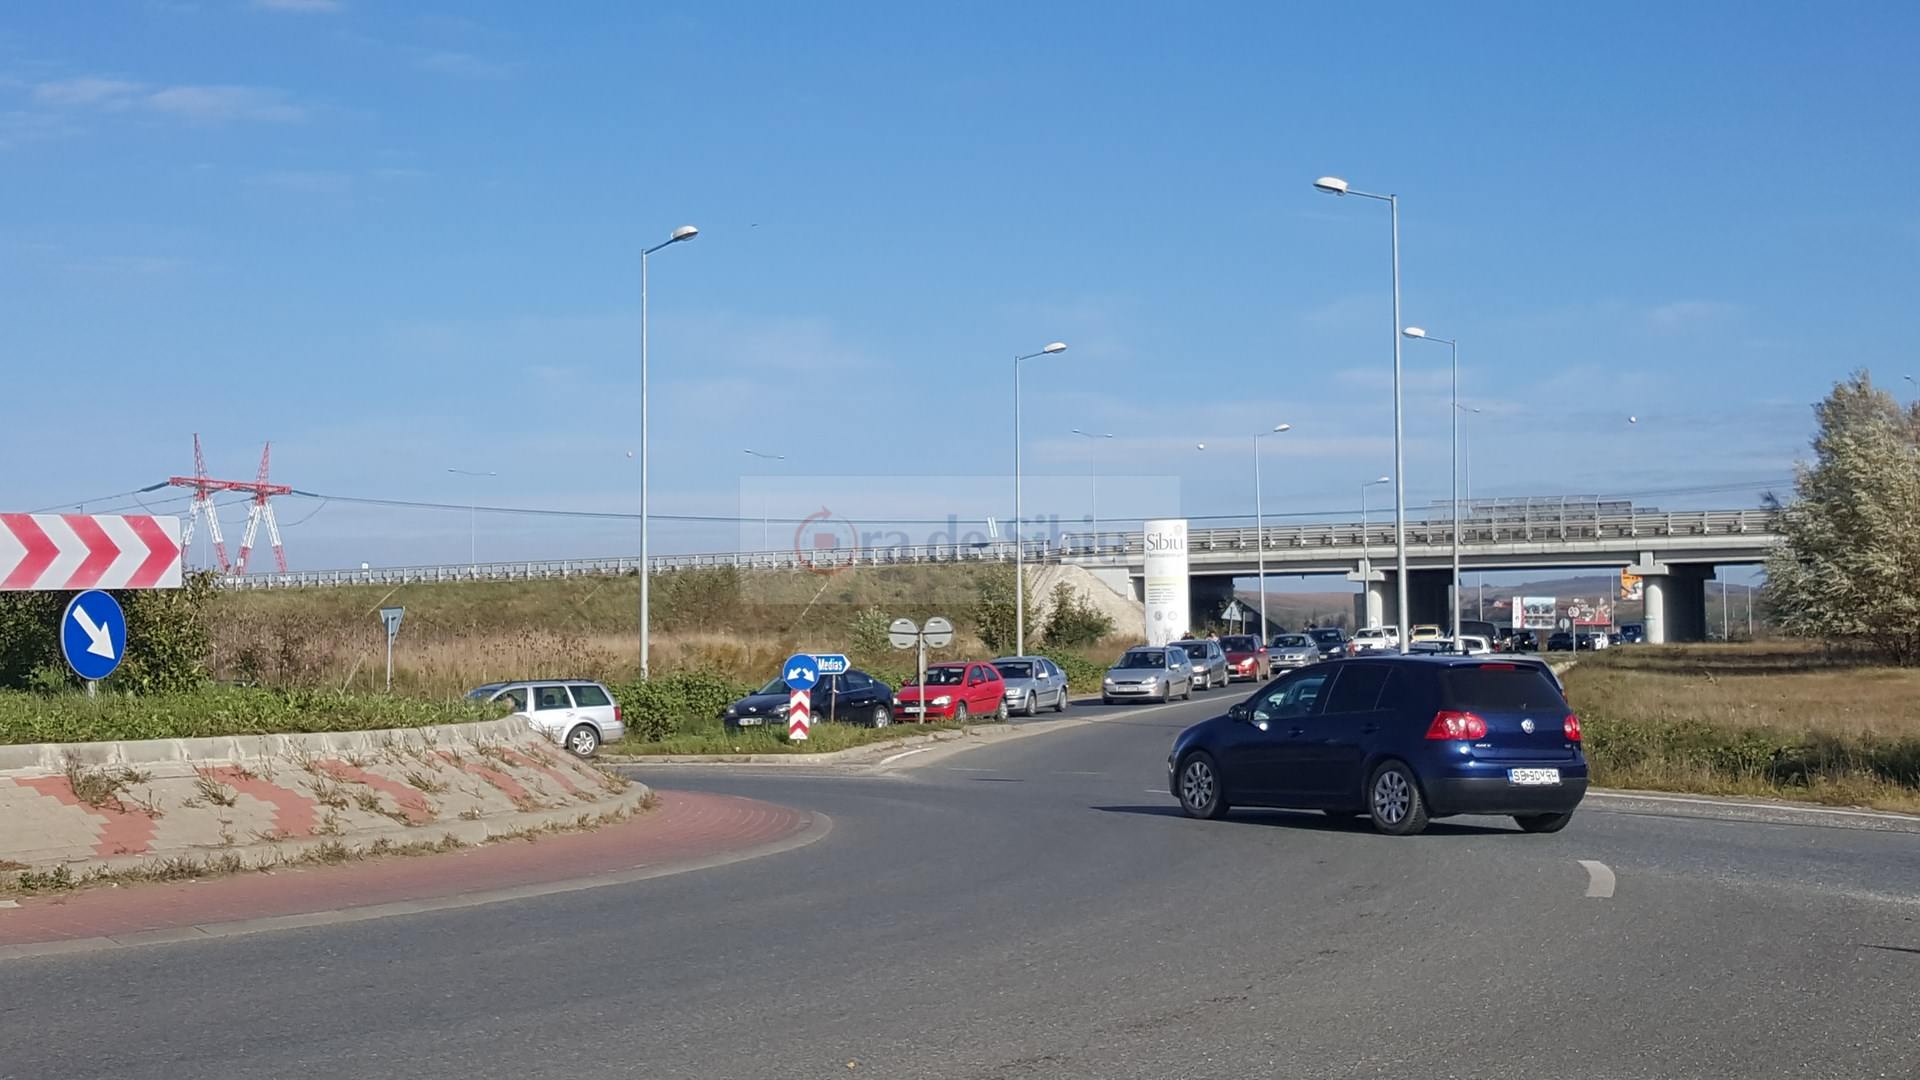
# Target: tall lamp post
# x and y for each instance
(1421, 335)
(473, 514)
(766, 527)
(684, 232)
(1019, 539)
(1333, 185)
(1260, 520)
(1466, 466)
(1095, 509)
(1366, 553)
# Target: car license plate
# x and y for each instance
(751, 721)
(914, 710)
(1533, 777)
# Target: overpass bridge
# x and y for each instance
(1675, 552)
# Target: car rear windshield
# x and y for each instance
(1501, 688)
(589, 696)
(1143, 658)
(1238, 643)
(1013, 669)
(1327, 636)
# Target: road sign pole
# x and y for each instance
(93, 688)
(389, 663)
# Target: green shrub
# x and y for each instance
(168, 639)
(657, 707)
(210, 711)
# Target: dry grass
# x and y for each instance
(1771, 719)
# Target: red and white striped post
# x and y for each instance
(799, 714)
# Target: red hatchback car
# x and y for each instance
(954, 692)
(1246, 658)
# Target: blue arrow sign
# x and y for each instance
(831, 663)
(801, 671)
(93, 634)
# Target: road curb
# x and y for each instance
(1765, 812)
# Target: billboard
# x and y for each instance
(1586, 612)
(1631, 587)
(1534, 612)
(1166, 580)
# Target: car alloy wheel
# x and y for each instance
(583, 740)
(1000, 714)
(1200, 794)
(1032, 705)
(959, 713)
(1060, 703)
(1394, 801)
(882, 716)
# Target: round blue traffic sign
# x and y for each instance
(93, 634)
(801, 671)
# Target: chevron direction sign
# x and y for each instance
(89, 551)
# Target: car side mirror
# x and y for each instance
(1239, 713)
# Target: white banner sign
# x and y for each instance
(1166, 580)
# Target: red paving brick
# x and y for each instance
(123, 831)
(685, 825)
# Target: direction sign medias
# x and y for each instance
(89, 551)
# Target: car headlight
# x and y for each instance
(1108, 681)
(1149, 680)
(733, 710)
(943, 699)
(781, 710)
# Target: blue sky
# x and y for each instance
(398, 238)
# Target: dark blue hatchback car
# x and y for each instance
(1400, 739)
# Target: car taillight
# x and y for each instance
(1571, 725)
(616, 714)
(1449, 724)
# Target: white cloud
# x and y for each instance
(307, 181)
(218, 104)
(464, 65)
(88, 91)
(1684, 313)
(196, 104)
(300, 7)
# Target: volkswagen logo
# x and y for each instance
(1527, 726)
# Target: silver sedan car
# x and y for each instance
(1294, 651)
(1209, 662)
(1149, 673)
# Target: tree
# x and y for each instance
(1072, 621)
(1849, 569)
(993, 609)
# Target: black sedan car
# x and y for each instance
(1399, 739)
(852, 697)
(1559, 641)
(1522, 641)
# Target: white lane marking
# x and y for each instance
(1599, 879)
(1728, 804)
(890, 758)
(1076, 772)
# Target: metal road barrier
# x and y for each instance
(1327, 538)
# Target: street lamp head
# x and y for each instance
(1283, 427)
(1414, 331)
(1382, 480)
(1332, 185)
(1054, 347)
(1199, 446)
(684, 232)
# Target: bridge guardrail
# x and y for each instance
(1326, 537)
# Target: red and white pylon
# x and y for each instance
(799, 714)
(203, 488)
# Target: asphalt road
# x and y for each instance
(1036, 908)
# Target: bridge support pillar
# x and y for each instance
(1428, 592)
(1676, 601)
(1370, 606)
(1207, 597)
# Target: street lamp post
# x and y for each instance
(1260, 520)
(1019, 540)
(1416, 332)
(1366, 553)
(684, 232)
(473, 514)
(766, 528)
(1094, 510)
(1333, 185)
(1466, 464)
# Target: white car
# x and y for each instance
(1374, 639)
(579, 714)
(1475, 645)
